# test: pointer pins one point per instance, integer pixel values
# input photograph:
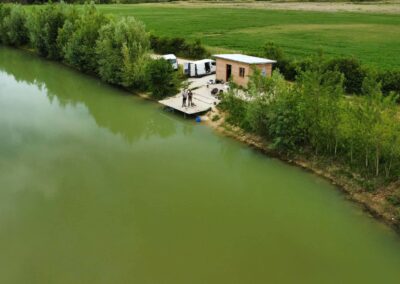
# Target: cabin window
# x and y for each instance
(241, 71)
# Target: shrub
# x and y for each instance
(78, 37)
(5, 12)
(285, 66)
(15, 27)
(273, 51)
(390, 80)
(354, 73)
(178, 46)
(162, 80)
(236, 108)
(43, 26)
(122, 50)
(215, 118)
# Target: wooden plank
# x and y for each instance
(176, 103)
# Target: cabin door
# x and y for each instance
(228, 72)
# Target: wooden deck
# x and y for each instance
(176, 103)
(202, 103)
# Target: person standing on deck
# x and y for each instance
(184, 97)
(190, 98)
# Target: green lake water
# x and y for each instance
(99, 186)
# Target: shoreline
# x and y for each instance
(373, 203)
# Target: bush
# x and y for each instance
(162, 80)
(236, 108)
(285, 66)
(394, 198)
(354, 73)
(43, 26)
(5, 12)
(390, 80)
(122, 51)
(14, 25)
(78, 38)
(178, 46)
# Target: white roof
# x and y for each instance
(203, 60)
(244, 58)
(169, 56)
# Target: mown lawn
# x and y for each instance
(374, 38)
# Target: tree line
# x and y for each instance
(313, 116)
(179, 46)
(353, 70)
(115, 50)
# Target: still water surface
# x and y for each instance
(97, 186)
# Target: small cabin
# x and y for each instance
(238, 67)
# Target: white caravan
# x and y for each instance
(200, 68)
(171, 58)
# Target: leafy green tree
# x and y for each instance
(273, 51)
(78, 38)
(353, 72)
(122, 49)
(162, 80)
(44, 25)
(286, 66)
(5, 12)
(15, 26)
(390, 80)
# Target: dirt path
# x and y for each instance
(384, 7)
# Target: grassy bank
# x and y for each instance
(374, 38)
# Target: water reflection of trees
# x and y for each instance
(130, 118)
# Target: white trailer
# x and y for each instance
(200, 68)
(171, 58)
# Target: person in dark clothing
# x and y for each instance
(190, 98)
(184, 97)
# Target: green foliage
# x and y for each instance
(394, 198)
(5, 12)
(122, 52)
(43, 25)
(390, 80)
(273, 51)
(14, 27)
(178, 46)
(314, 116)
(236, 107)
(354, 73)
(285, 66)
(162, 80)
(117, 50)
(79, 36)
(215, 117)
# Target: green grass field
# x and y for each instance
(373, 38)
